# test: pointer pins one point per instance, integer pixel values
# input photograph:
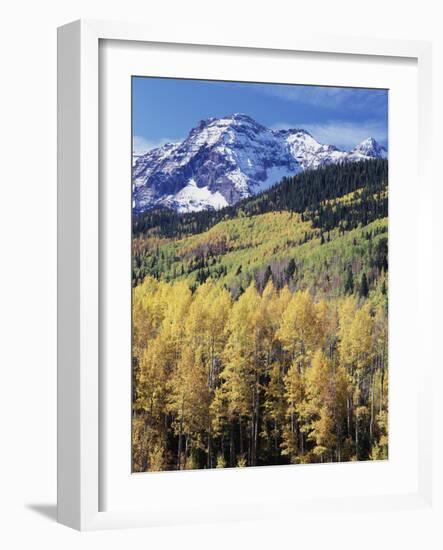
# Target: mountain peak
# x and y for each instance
(242, 116)
(370, 147)
(370, 140)
(227, 120)
(226, 159)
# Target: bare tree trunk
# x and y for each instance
(231, 445)
(382, 379)
(145, 454)
(256, 418)
(339, 447)
(241, 435)
(275, 437)
(250, 443)
(302, 442)
(348, 415)
(371, 421)
(356, 418)
(209, 461)
(356, 435)
(179, 450)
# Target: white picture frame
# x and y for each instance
(80, 413)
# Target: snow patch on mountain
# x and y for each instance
(193, 198)
(224, 160)
(369, 148)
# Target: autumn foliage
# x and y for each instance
(260, 331)
(270, 378)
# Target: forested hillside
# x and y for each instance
(260, 330)
(302, 192)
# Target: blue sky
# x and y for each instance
(166, 109)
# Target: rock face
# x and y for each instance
(224, 160)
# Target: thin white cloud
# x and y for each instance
(343, 134)
(142, 145)
(354, 99)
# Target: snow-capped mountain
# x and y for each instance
(369, 148)
(224, 160)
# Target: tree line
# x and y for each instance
(303, 193)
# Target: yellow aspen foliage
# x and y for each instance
(294, 395)
(277, 376)
(299, 327)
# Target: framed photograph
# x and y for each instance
(241, 263)
(260, 275)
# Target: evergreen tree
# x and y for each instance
(364, 288)
(349, 282)
(290, 269)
